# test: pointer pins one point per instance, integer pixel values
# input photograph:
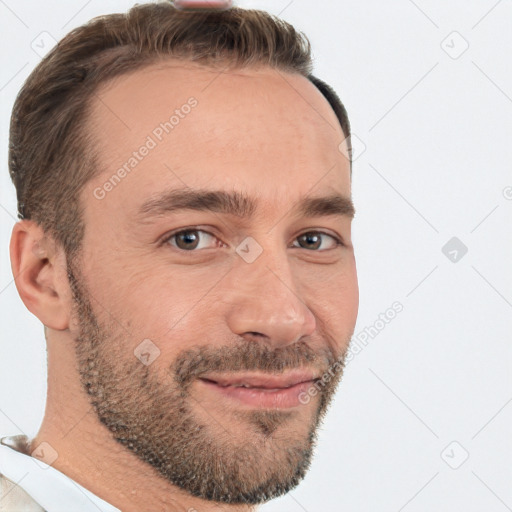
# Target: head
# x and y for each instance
(186, 168)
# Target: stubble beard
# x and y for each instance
(152, 414)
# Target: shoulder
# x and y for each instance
(13, 498)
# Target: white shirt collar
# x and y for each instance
(53, 490)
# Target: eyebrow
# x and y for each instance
(238, 204)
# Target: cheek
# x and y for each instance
(130, 297)
(333, 295)
(162, 304)
(351, 294)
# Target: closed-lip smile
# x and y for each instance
(261, 390)
(259, 380)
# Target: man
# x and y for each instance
(184, 194)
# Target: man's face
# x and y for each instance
(216, 309)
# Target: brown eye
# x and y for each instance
(314, 239)
(189, 239)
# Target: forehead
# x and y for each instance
(264, 131)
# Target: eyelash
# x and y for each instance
(167, 238)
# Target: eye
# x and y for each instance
(313, 240)
(191, 239)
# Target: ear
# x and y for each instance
(39, 270)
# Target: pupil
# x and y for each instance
(186, 237)
(314, 239)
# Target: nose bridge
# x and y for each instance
(264, 299)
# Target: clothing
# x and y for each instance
(29, 485)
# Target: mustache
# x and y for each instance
(248, 356)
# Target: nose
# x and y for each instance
(265, 304)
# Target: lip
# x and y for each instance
(265, 391)
(259, 380)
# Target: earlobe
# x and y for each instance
(39, 273)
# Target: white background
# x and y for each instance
(437, 138)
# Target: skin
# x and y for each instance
(268, 134)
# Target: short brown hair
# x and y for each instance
(51, 155)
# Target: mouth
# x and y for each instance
(262, 391)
